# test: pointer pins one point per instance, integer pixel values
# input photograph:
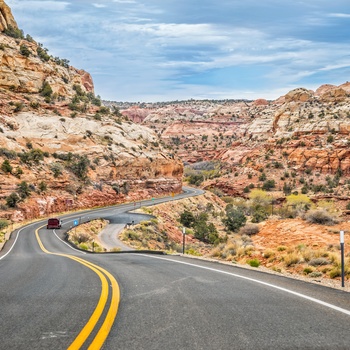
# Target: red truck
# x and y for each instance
(54, 223)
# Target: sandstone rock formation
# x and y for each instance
(60, 149)
(24, 74)
(6, 18)
(303, 131)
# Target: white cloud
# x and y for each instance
(38, 5)
(125, 1)
(339, 15)
(144, 46)
(99, 5)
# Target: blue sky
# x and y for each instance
(162, 50)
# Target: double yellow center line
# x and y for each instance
(106, 326)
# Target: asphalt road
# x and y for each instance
(54, 297)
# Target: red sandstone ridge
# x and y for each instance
(304, 133)
(260, 102)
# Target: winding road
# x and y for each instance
(55, 297)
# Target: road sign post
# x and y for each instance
(183, 239)
(342, 258)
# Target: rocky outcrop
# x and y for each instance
(298, 95)
(59, 148)
(118, 162)
(6, 18)
(27, 74)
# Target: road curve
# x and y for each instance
(166, 302)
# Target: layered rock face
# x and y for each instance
(27, 74)
(59, 148)
(6, 18)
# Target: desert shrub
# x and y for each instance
(315, 274)
(42, 186)
(6, 167)
(42, 53)
(83, 246)
(234, 219)
(79, 237)
(80, 166)
(4, 223)
(32, 156)
(12, 200)
(254, 262)
(14, 32)
(192, 251)
(23, 189)
(268, 253)
(56, 169)
(195, 179)
(268, 185)
(299, 202)
(24, 50)
(336, 272)
(204, 231)
(245, 250)
(259, 214)
(291, 259)
(18, 106)
(249, 229)
(307, 270)
(321, 216)
(319, 262)
(132, 235)
(187, 219)
(9, 154)
(46, 90)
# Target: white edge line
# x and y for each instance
(68, 245)
(344, 311)
(15, 240)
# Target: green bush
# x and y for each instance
(46, 90)
(23, 190)
(14, 32)
(187, 219)
(307, 270)
(42, 53)
(4, 223)
(234, 220)
(195, 179)
(6, 167)
(268, 185)
(259, 214)
(80, 166)
(24, 50)
(12, 200)
(254, 262)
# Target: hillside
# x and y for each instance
(60, 149)
(300, 141)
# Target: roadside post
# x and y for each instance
(342, 257)
(76, 222)
(183, 239)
